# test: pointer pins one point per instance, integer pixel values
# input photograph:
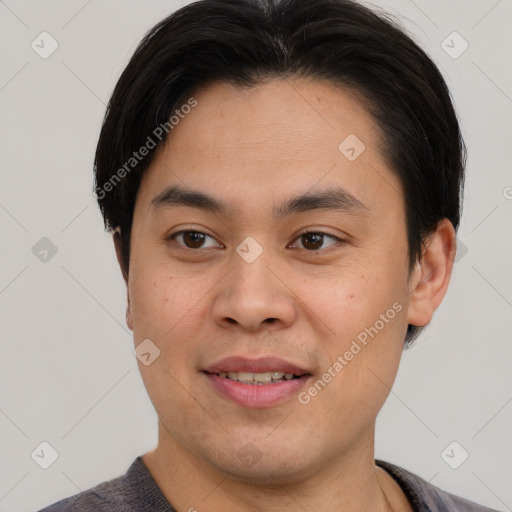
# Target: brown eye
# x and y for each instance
(192, 239)
(314, 241)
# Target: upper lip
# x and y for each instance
(259, 365)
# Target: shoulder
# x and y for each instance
(136, 491)
(426, 497)
(110, 495)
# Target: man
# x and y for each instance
(283, 183)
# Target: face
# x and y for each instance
(295, 263)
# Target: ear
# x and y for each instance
(431, 275)
(118, 244)
(119, 253)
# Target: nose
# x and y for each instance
(255, 295)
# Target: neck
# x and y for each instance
(350, 482)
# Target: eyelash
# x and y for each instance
(173, 236)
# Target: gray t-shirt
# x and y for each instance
(137, 491)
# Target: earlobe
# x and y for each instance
(432, 274)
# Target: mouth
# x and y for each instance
(239, 367)
(259, 379)
(263, 382)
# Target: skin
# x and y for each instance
(253, 149)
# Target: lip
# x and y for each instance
(254, 395)
(260, 365)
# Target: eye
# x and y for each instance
(313, 240)
(193, 239)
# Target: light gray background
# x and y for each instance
(68, 375)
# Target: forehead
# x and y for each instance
(281, 137)
(297, 113)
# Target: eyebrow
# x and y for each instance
(336, 198)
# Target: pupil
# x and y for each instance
(193, 239)
(316, 241)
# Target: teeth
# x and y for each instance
(242, 376)
(261, 377)
(257, 378)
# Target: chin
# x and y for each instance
(269, 467)
(266, 474)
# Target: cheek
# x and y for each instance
(364, 311)
(161, 302)
(166, 310)
(347, 298)
(159, 313)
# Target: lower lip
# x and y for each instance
(254, 395)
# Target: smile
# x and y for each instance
(250, 392)
(258, 378)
